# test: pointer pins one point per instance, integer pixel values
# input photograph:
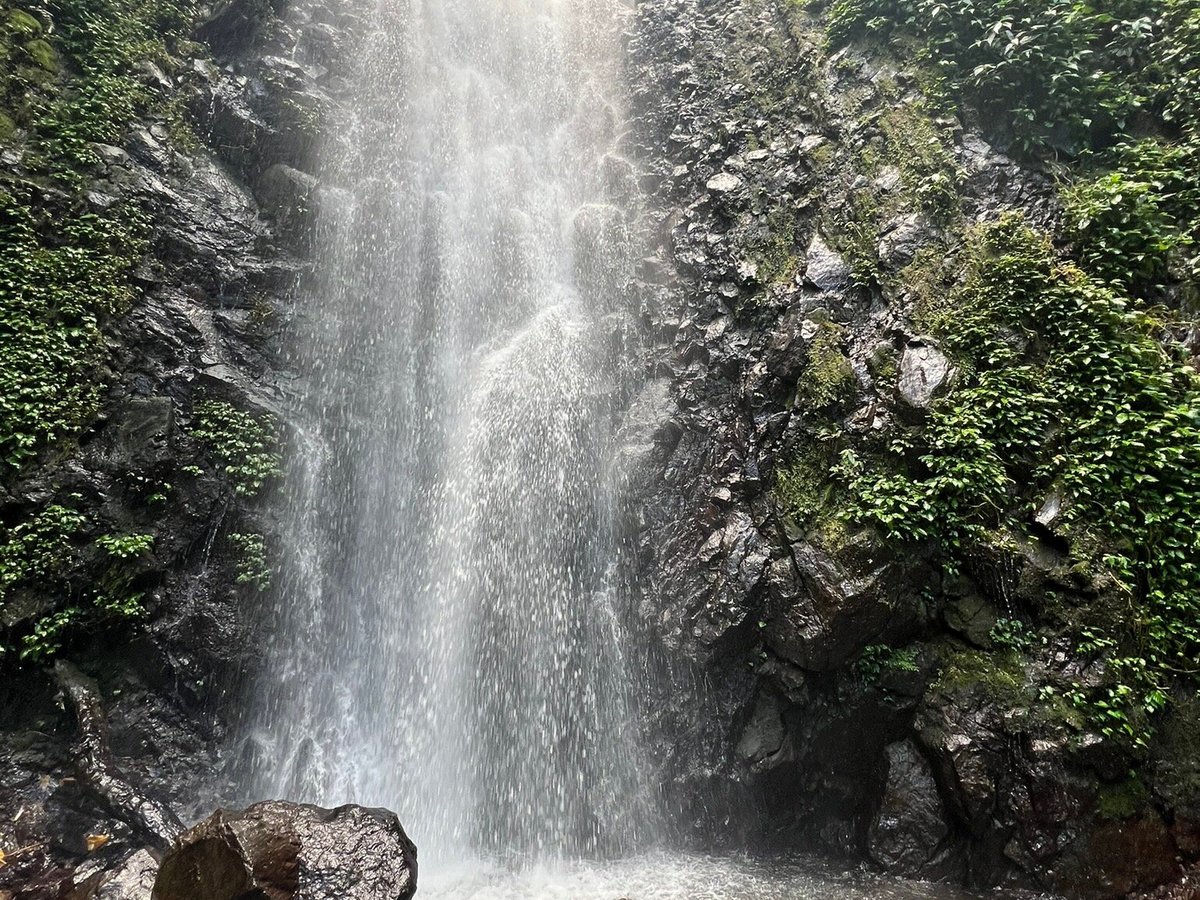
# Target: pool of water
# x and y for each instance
(674, 876)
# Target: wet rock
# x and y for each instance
(1050, 511)
(1124, 857)
(908, 833)
(233, 25)
(289, 195)
(972, 617)
(993, 180)
(902, 238)
(132, 879)
(968, 754)
(764, 733)
(826, 270)
(880, 768)
(924, 373)
(724, 183)
(150, 818)
(146, 429)
(290, 851)
(830, 607)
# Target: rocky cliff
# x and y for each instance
(136, 528)
(857, 650)
(881, 664)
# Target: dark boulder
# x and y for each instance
(289, 851)
(234, 24)
(828, 607)
(909, 833)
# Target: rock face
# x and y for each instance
(911, 826)
(87, 779)
(827, 270)
(289, 851)
(819, 685)
(772, 318)
(924, 372)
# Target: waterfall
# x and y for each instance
(449, 638)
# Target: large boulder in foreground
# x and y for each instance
(290, 851)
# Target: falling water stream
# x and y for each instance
(450, 639)
(449, 642)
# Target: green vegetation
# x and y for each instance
(115, 597)
(1070, 381)
(828, 377)
(804, 489)
(54, 292)
(1063, 72)
(127, 546)
(105, 41)
(1064, 386)
(48, 634)
(921, 151)
(914, 150)
(40, 558)
(1134, 220)
(878, 660)
(1122, 800)
(39, 548)
(244, 445)
(777, 254)
(999, 677)
(252, 566)
(1012, 634)
(66, 266)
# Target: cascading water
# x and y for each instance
(448, 642)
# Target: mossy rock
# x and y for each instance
(8, 128)
(804, 487)
(43, 54)
(22, 23)
(998, 677)
(1124, 800)
(828, 377)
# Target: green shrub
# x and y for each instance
(48, 634)
(1135, 223)
(1176, 59)
(125, 546)
(1063, 383)
(53, 296)
(1012, 634)
(39, 549)
(1064, 72)
(42, 555)
(243, 445)
(252, 567)
(878, 660)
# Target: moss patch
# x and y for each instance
(828, 377)
(998, 677)
(1122, 800)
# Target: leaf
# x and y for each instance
(96, 841)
